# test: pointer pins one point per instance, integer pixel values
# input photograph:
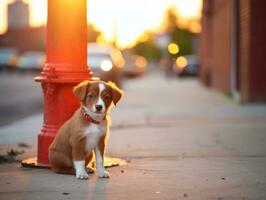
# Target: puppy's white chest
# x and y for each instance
(95, 128)
(93, 133)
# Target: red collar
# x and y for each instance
(87, 117)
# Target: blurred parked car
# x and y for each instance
(106, 62)
(33, 60)
(186, 65)
(8, 57)
(135, 65)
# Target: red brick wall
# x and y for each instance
(244, 49)
(257, 51)
(222, 22)
(205, 44)
(252, 45)
(215, 62)
(216, 38)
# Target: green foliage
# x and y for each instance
(93, 33)
(183, 38)
(179, 36)
(148, 50)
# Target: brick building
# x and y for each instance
(25, 39)
(19, 34)
(232, 48)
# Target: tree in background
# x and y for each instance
(93, 33)
(182, 37)
(170, 27)
(146, 47)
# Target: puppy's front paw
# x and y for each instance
(103, 174)
(82, 175)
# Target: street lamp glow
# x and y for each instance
(106, 65)
(181, 62)
(173, 48)
(141, 62)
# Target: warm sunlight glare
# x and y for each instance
(38, 12)
(195, 27)
(122, 19)
(3, 16)
(189, 8)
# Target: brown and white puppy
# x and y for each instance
(86, 131)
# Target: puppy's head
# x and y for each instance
(97, 96)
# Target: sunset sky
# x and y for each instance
(132, 18)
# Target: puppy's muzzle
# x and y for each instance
(98, 107)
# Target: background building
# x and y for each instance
(19, 30)
(233, 43)
(21, 36)
(18, 15)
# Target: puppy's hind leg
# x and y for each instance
(60, 163)
(64, 171)
(79, 157)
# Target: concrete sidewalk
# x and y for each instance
(183, 142)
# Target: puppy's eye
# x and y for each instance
(90, 96)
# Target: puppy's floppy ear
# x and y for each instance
(116, 92)
(81, 89)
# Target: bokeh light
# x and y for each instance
(106, 65)
(173, 48)
(141, 62)
(181, 62)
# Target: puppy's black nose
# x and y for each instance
(98, 107)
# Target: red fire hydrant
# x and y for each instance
(65, 67)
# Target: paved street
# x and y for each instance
(183, 141)
(20, 96)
